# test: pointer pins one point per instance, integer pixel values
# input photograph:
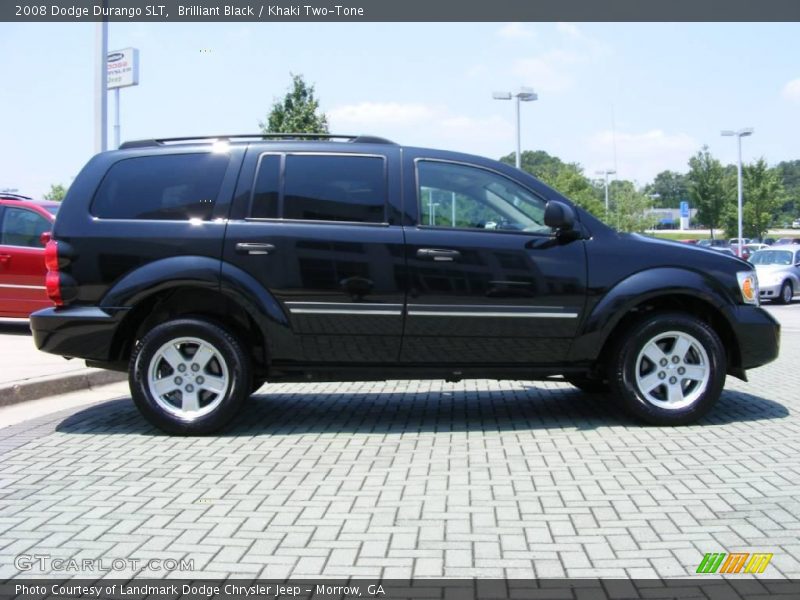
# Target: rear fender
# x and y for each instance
(211, 274)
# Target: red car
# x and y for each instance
(22, 270)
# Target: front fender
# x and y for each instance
(632, 291)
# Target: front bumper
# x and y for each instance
(76, 332)
(769, 292)
(758, 334)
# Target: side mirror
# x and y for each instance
(559, 216)
(45, 237)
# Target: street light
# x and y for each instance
(523, 95)
(432, 209)
(101, 84)
(739, 135)
(606, 173)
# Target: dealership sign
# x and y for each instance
(123, 68)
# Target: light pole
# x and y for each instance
(523, 95)
(101, 86)
(432, 209)
(606, 173)
(739, 135)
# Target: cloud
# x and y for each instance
(478, 70)
(515, 31)
(376, 113)
(548, 72)
(569, 30)
(424, 125)
(557, 68)
(791, 91)
(640, 156)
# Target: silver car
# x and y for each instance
(778, 272)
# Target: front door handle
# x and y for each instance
(254, 248)
(438, 254)
(5, 257)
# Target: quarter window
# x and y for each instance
(335, 188)
(22, 227)
(164, 187)
(465, 197)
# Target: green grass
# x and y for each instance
(679, 235)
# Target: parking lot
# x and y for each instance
(415, 478)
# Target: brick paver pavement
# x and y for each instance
(416, 478)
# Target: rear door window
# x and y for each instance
(267, 188)
(335, 188)
(162, 187)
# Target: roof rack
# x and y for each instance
(353, 139)
(11, 196)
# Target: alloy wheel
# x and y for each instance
(188, 377)
(672, 370)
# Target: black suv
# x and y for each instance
(207, 266)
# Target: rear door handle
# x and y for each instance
(254, 248)
(438, 254)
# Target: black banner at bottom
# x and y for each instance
(700, 588)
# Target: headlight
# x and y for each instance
(748, 286)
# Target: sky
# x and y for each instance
(640, 98)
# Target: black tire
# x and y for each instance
(588, 385)
(228, 364)
(650, 406)
(787, 293)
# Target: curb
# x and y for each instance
(41, 387)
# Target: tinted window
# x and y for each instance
(167, 186)
(460, 196)
(335, 188)
(22, 227)
(265, 194)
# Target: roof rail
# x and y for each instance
(11, 196)
(353, 139)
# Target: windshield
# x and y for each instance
(772, 257)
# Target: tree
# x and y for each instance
(706, 188)
(789, 172)
(669, 188)
(567, 178)
(538, 163)
(762, 198)
(628, 207)
(56, 193)
(297, 112)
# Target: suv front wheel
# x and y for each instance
(669, 369)
(189, 376)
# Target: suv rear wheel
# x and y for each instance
(669, 369)
(189, 376)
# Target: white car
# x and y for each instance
(778, 272)
(796, 224)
